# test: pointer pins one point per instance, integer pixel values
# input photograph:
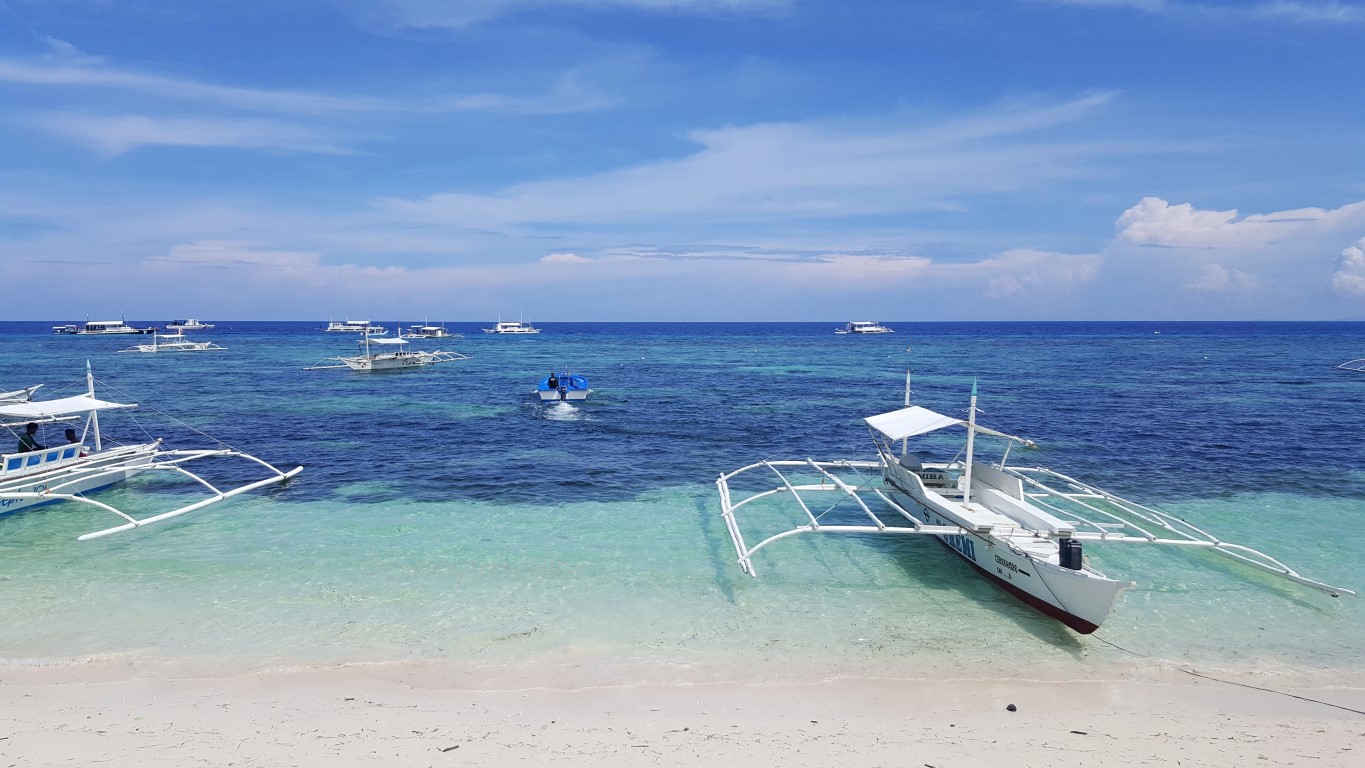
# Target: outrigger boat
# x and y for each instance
(19, 395)
(189, 324)
(397, 359)
(174, 342)
(515, 327)
(355, 326)
(430, 332)
(1022, 527)
(862, 326)
(563, 386)
(67, 473)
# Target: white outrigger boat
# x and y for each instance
(355, 326)
(1022, 527)
(67, 473)
(189, 324)
(396, 359)
(430, 332)
(862, 326)
(19, 395)
(515, 327)
(100, 328)
(174, 342)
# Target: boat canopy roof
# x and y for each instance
(66, 406)
(914, 420)
(386, 341)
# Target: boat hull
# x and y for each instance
(570, 395)
(1081, 599)
(71, 477)
(383, 362)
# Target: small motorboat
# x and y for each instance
(563, 386)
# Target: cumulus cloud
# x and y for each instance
(1349, 278)
(1023, 271)
(1154, 221)
(565, 258)
(1219, 279)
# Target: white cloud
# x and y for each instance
(1349, 278)
(1154, 221)
(1219, 279)
(564, 95)
(1274, 10)
(115, 135)
(565, 258)
(1308, 11)
(796, 170)
(443, 14)
(1026, 272)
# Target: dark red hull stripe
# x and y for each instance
(1042, 606)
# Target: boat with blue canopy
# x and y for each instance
(563, 385)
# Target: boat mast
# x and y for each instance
(905, 440)
(94, 414)
(971, 435)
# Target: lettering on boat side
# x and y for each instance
(7, 503)
(961, 543)
(1002, 565)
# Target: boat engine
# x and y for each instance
(1069, 554)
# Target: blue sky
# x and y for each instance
(766, 160)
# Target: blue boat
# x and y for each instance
(563, 386)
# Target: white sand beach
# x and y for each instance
(365, 717)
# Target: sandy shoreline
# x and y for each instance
(353, 716)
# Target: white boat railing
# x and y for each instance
(1121, 527)
(829, 483)
(1097, 515)
(129, 460)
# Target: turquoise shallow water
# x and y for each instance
(446, 519)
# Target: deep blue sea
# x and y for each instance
(447, 520)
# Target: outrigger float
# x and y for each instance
(1021, 527)
(69, 472)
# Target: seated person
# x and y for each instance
(72, 438)
(27, 441)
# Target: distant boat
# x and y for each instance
(1353, 365)
(563, 386)
(188, 325)
(512, 327)
(174, 342)
(100, 328)
(386, 355)
(429, 332)
(355, 326)
(862, 326)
